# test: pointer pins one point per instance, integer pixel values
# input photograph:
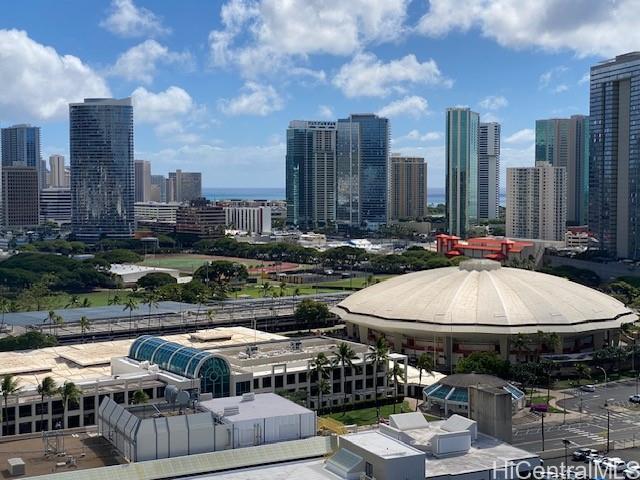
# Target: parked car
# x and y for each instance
(539, 407)
(634, 398)
(588, 388)
(597, 460)
(580, 455)
(614, 464)
(592, 456)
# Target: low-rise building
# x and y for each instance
(492, 248)
(55, 205)
(201, 218)
(253, 220)
(156, 212)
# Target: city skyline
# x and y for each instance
(406, 60)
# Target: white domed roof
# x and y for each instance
(481, 296)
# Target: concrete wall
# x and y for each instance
(493, 410)
(606, 271)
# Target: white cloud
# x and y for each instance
(560, 88)
(256, 99)
(590, 27)
(415, 135)
(220, 164)
(412, 106)
(140, 62)
(366, 75)
(172, 112)
(521, 136)
(127, 20)
(269, 35)
(38, 82)
(493, 102)
(585, 78)
(490, 117)
(325, 111)
(547, 77)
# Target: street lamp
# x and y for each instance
(542, 429)
(605, 379)
(566, 444)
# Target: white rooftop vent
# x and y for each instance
(248, 397)
(154, 368)
(144, 364)
(230, 411)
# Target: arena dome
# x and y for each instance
(482, 297)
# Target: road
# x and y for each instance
(591, 428)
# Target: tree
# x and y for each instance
(266, 288)
(379, 354)
(131, 304)
(424, 364)
(46, 389)
(9, 386)
(86, 303)
(59, 322)
(582, 371)
(344, 355)
(219, 274)
(320, 369)
(156, 280)
(115, 300)
(150, 300)
(311, 312)
(139, 397)
(484, 362)
(520, 345)
(74, 301)
(4, 308)
(396, 372)
(68, 392)
(85, 325)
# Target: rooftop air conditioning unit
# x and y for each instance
(230, 411)
(248, 397)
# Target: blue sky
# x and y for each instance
(215, 83)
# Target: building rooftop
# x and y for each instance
(90, 362)
(381, 445)
(262, 404)
(481, 296)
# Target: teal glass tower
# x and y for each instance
(462, 170)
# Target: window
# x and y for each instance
(302, 377)
(25, 427)
(89, 403)
(279, 381)
(358, 385)
(368, 469)
(118, 397)
(160, 392)
(25, 411)
(256, 383)
(149, 392)
(42, 408)
(337, 387)
(291, 378)
(266, 382)
(9, 415)
(73, 421)
(243, 387)
(42, 425)
(89, 419)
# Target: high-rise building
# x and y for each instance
(408, 187)
(20, 187)
(375, 175)
(184, 186)
(614, 155)
(311, 173)
(536, 202)
(348, 174)
(488, 170)
(57, 172)
(55, 205)
(256, 220)
(462, 169)
(21, 146)
(102, 173)
(564, 142)
(158, 188)
(142, 180)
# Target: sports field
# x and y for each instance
(189, 263)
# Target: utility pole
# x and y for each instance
(608, 431)
(542, 430)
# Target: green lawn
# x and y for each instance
(97, 299)
(367, 416)
(255, 290)
(358, 282)
(189, 263)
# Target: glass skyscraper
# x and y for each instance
(488, 170)
(375, 175)
(614, 155)
(102, 171)
(348, 174)
(311, 173)
(462, 170)
(564, 142)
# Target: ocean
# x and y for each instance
(435, 196)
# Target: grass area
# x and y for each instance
(189, 263)
(540, 399)
(256, 290)
(358, 282)
(367, 416)
(96, 299)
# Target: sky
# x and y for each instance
(215, 83)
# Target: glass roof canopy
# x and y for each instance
(213, 371)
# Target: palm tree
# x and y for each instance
(283, 288)
(344, 356)
(59, 322)
(583, 371)
(131, 304)
(86, 303)
(115, 300)
(296, 293)
(9, 386)
(540, 337)
(210, 315)
(46, 388)
(424, 364)
(74, 301)
(151, 300)
(266, 288)
(4, 308)
(553, 341)
(324, 387)
(68, 392)
(85, 325)
(519, 344)
(51, 318)
(320, 367)
(396, 372)
(379, 354)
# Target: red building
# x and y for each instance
(492, 248)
